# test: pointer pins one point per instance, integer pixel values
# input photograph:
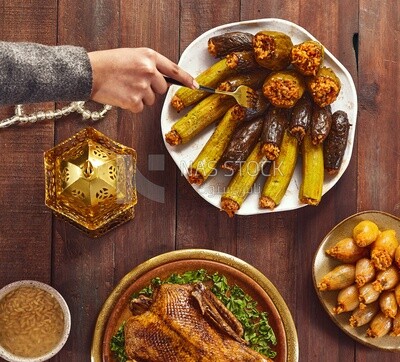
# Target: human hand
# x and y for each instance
(130, 78)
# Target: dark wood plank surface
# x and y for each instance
(170, 215)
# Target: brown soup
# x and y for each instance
(31, 322)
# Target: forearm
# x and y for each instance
(32, 73)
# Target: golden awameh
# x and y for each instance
(90, 181)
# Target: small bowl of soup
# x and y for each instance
(34, 321)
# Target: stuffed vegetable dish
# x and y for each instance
(294, 120)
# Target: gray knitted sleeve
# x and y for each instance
(32, 73)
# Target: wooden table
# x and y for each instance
(362, 34)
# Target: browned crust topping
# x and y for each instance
(238, 113)
(270, 151)
(229, 206)
(195, 177)
(299, 132)
(211, 48)
(317, 139)
(177, 103)
(309, 201)
(226, 86)
(173, 138)
(266, 202)
(282, 92)
(307, 58)
(324, 90)
(232, 60)
(264, 46)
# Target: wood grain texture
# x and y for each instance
(170, 214)
(25, 232)
(84, 267)
(378, 145)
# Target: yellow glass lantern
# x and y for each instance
(90, 181)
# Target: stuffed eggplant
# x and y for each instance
(254, 80)
(324, 87)
(272, 49)
(242, 181)
(221, 45)
(242, 142)
(259, 107)
(300, 117)
(275, 124)
(321, 123)
(283, 89)
(335, 143)
(307, 57)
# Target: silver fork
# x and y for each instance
(244, 95)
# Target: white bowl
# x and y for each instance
(7, 355)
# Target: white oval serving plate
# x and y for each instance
(196, 59)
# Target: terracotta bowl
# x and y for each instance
(115, 309)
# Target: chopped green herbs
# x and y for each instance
(117, 345)
(257, 330)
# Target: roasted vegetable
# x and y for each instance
(380, 326)
(242, 182)
(338, 278)
(198, 118)
(383, 249)
(307, 57)
(300, 117)
(365, 271)
(275, 124)
(365, 233)
(397, 257)
(221, 45)
(388, 303)
(283, 89)
(347, 300)
(241, 144)
(363, 315)
(211, 77)
(259, 107)
(336, 142)
(206, 162)
(272, 49)
(324, 87)
(387, 279)
(253, 79)
(347, 251)
(234, 63)
(396, 325)
(279, 177)
(321, 122)
(312, 172)
(368, 294)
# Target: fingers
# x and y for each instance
(138, 100)
(170, 69)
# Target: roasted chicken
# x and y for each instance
(185, 323)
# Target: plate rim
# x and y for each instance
(199, 254)
(352, 90)
(320, 294)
